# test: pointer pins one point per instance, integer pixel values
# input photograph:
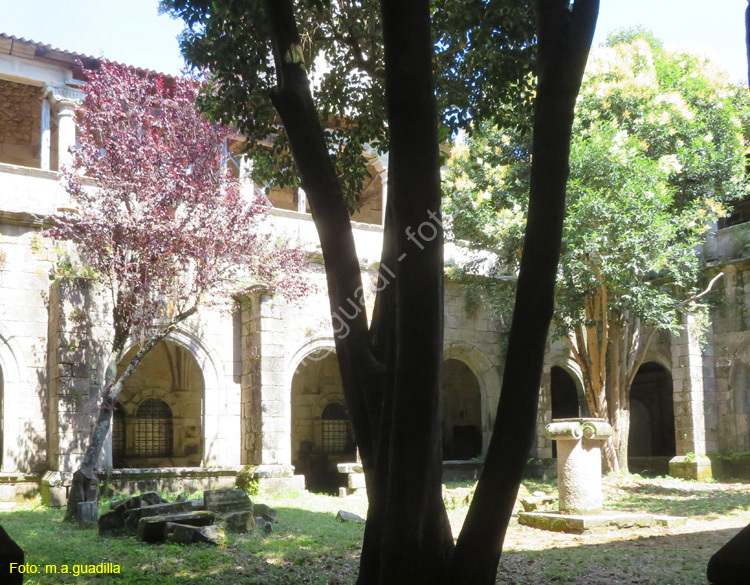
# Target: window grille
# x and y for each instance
(118, 436)
(337, 437)
(153, 430)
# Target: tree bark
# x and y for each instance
(86, 473)
(390, 373)
(564, 39)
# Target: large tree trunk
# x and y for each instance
(564, 37)
(390, 373)
(85, 476)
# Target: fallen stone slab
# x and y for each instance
(10, 552)
(151, 529)
(164, 509)
(239, 521)
(112, 522)
(669, 521)
(227, 500)
(730, 565)
(185, 534)
(584, 523)
(197, 504)
(344, 516)
(266, 512)
(139, 501)
(350, 468)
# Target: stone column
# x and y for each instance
(693, 378)
(579, 463)
(66, 133)
(45, 144)
(65, 100)
(301, 200)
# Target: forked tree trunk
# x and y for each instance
(86, 473)
(390, 372)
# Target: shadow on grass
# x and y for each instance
(655, 560)
(677, 501)
(310, 548)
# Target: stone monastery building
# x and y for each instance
(259, 385)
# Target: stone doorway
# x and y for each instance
(563, 397)
(321, 429)
(651, 413)
(462, 412)
(158, 421)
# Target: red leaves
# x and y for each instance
(166, 223)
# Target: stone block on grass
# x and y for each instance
(266, 512)
(227, 500)
(164, 509)
(112, 522)
(87, 514)
(185, 534)
(239, 521)
(151, 529)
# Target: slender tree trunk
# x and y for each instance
(390, 374)
(86, 473)
(564, 37)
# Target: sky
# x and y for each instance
(134, 33)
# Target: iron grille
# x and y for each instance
(118, 436)
(153, 430)
(336, 433)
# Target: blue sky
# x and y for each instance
(132, 32)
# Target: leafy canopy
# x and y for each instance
(484, 50)
(156, 213)
(658, 149)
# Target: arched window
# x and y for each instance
(118, 436)
(337, 437)
(153, 429)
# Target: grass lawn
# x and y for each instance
(309, 546)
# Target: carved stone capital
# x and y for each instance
(574, 429)
(63, 96)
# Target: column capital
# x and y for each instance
(63, 97)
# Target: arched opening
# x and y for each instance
(159, 420)
(563, 397)
(321, 429)
(651, 413)
(462, 412)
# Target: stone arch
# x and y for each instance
(462, 411)
(218, 428)
(13, 388)
(488, 378)
(314, 382)
(652, 425)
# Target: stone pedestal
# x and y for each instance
(579, 463)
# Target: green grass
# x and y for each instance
(308, 545)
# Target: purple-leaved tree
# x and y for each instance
(160, 221)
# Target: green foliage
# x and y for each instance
(247, 481)
(484, 50)
(658, 150)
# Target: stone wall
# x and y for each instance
(25, 264)
(79, 348)
(20, 123)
